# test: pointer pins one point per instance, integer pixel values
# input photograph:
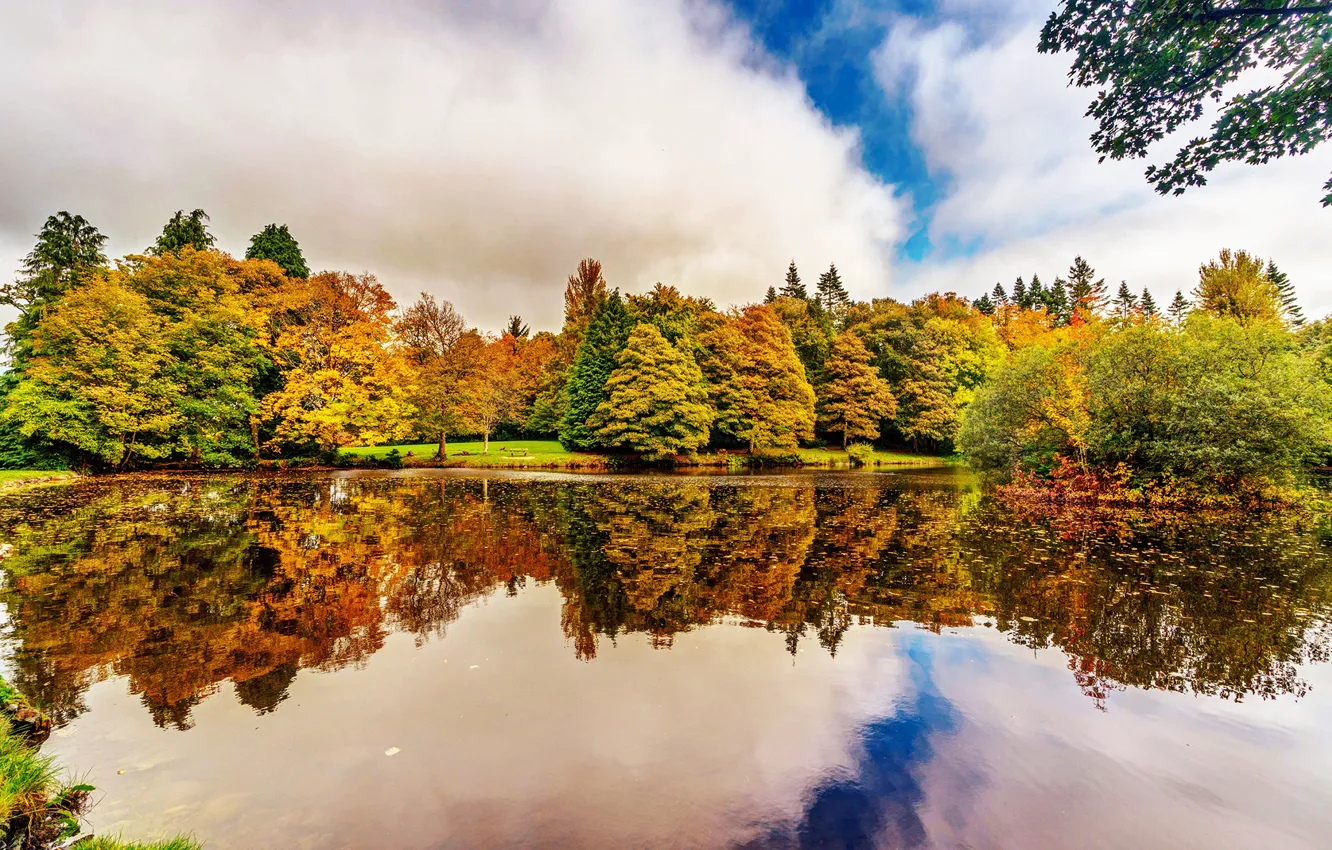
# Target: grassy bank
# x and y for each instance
(14, 478)
(40, 806)
(549, 454)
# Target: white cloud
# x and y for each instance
(476, 154)
(1026, 191)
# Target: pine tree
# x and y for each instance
(1056, 301)
(832, 294)
(794, 288)
(184, 230)
(1036, 293)
(855, 399)
(771, 296)
(592, 367)
(1125, 302)
(276, 243)
(67, 253)
(1020, 294)
(517, 328)
(984, 305)
(1286, 294)
(999, 296)
(1085, 291)
(1179, 308)
(656, 403)
(1148, 303)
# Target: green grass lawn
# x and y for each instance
(550, 453)
(539, 453)
(884, 457)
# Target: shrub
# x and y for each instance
(861, 454)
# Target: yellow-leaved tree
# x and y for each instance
(854, 399)
(779, 398)
(343, 383)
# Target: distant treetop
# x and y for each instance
(276, 243)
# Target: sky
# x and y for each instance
(478, 150)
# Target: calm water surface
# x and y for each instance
(813, 660)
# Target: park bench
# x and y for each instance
(515, 452)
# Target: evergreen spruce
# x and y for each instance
(276, 243)
(517, 328)
(1125, 302)
(771, 296)
(794, 288)
(183, 230)
(1036, 293)
(592, 367)
(1286, 295)
(832, 294)
(656, 402)
(1085, 291)
(999, 296)
(1179, 307)
(1020, 294)
(984, 305)
(1056, 301)
(1148, 303)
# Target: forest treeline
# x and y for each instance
(185, 355)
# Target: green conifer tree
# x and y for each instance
(592, 367)
(832, 294)
(999, 296)
(656, 402)
(794, 288)
(1056, 301)
(1125, 302)
(1020, 294)
(184, 230)
(771, 295)
(984, 304)
(276, 243)
(1179, 307)
(1147, 303)
(1286, 294)
(1085, 290)
(1036, 293)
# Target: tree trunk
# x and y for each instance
(485, 443)
(843, 439)
(442, 450)
(254, 435)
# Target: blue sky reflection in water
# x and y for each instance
(646, 662)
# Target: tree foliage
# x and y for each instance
(656, 403)
(592, 366)
(855, 399)
(184, 231)
(779, 398)
(1236, 284)
(276, 243)
(1157, 66)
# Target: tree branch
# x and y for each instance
(1262, 11)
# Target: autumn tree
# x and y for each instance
(584, 294)
(438, 347)
(656, 402)
(183, 230)
(592, 366)
(811, 332)
(782, 401)
(96, 380)
(721, 357)
(276, 243)
(1157, 65)
(854, 400)
(1236, 284)
(342, 384)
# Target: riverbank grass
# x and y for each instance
(518, 454)
(14, 478)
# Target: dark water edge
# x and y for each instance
(817, 659)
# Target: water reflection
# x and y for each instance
(179, 586)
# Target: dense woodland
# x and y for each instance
(184, 355)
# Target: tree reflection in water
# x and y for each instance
(181, 584)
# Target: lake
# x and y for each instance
(860, 659)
